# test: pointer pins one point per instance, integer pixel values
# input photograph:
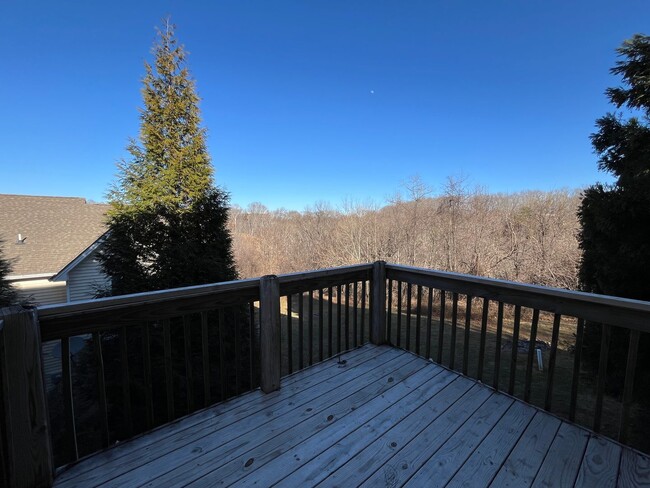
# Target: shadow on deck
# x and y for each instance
(375, 416)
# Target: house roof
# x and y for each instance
(55, 231)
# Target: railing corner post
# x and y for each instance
(378, 325)
(24, 421)
(270, 355)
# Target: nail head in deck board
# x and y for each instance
(600, 463)
(486, 460)
(312, 460)
(523, 462)
(270, 334)
(634, 471)
(444, 463)
(561, 465)
(26, 423)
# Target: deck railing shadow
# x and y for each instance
(124, 365)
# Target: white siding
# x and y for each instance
(41, 292)
(85, 279)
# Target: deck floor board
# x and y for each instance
(384, 418)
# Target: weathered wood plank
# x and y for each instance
(322, 414)
(600, 464)
(523, 462)
(449, 458)
(198, 458)
(634, 471)
(235, 408)
(417, 451)
(246, 411)
(560, 467)
(26, 422)
(486, 460)
(312, 460)
(379, 453)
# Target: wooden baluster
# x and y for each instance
(468, 324)
(289, 335)
(338, 319)
(222, 355)
(409, 297)
(363, 310)
(355, 313)
(148, 381)
(418, 319)
(389, 308)
(320, 325)
(301, 332)
(330, 321)
(454, 329)
(551, 362)
(205, 356)
(101, 385)
(189, 370)
(441, 328)
(481, 348)
(628, 389)
(531, 355)
(399, 314)
(347, 317)
(429, 321)
(606, 333)
(310, 324)
(497, 351)
(68, 400)
(515, 349)
(126, 384)
(252, 345)
(235, 320)
(169, 379)
(577, 354)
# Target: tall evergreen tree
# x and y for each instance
(167, 224)
(8, 294)
(615, 218)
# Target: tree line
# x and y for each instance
(528, 237)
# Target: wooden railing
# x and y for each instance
(525, 340)
(133, 362)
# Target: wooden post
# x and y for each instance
(25, 420)
(270, 355)
(378, 325)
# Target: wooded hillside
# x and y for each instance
(528, 237)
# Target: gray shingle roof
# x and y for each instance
(56, 230)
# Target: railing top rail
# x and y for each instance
(108, 304)
(623, 312)
(144, 298)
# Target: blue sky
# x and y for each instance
(317, 100)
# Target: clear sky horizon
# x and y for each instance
(319, 100)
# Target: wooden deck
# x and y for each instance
(379, 416)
